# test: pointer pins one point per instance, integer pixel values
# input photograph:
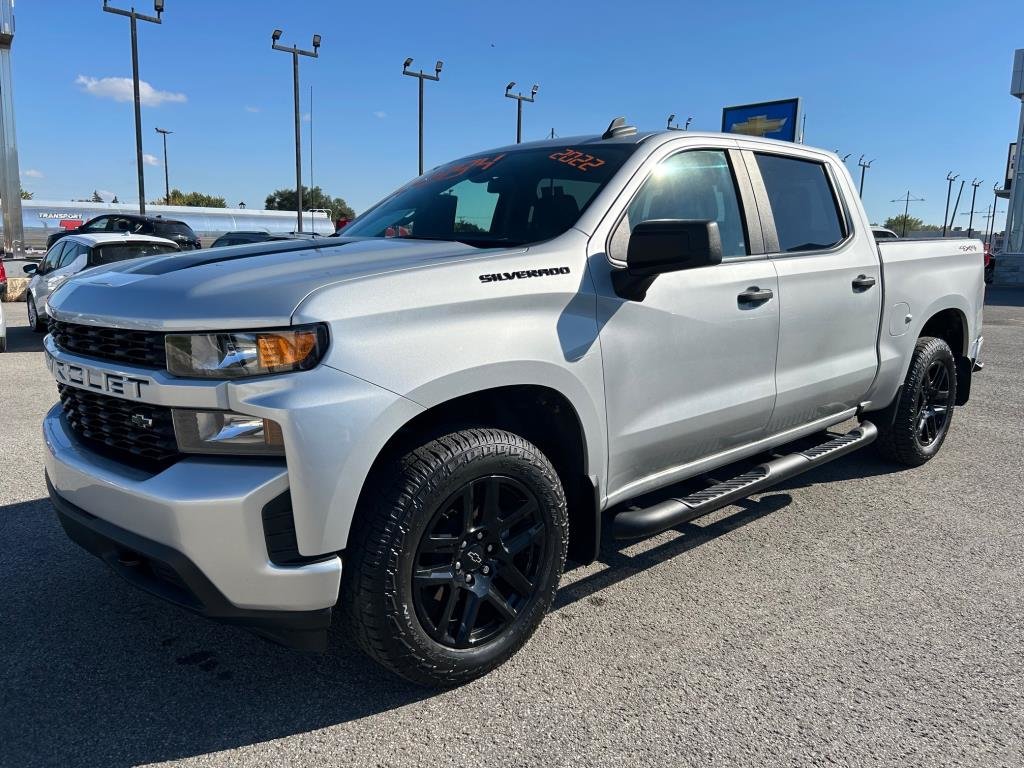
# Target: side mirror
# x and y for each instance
(666, 245)
(30, 269)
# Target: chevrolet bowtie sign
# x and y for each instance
(769, 119)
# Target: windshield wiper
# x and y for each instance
(497, 242)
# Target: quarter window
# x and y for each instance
(696, 185)
(803, 205)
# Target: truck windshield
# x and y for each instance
(108, 254)
(503, 198)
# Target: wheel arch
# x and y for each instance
(545, 416)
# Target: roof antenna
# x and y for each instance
(618, 127)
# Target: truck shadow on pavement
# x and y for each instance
(23, 339)
(98, 673)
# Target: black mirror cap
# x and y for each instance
(671, 245)
(30, 269)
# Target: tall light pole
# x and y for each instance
(955, 206)
(974, 193)
(422, 76)
(863, 169)
(949, 192)
(519, 106)
(295, 51)
(167, 177)
(158, 6)
(671, 119)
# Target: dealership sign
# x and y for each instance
(769, 119)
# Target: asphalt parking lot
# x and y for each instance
(856, 615)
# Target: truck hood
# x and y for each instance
(248, 286)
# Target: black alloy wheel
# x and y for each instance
(478, 562)
(933, 404)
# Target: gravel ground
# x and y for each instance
(856, 615)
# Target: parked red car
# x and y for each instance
(990, 264)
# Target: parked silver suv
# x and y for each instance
(76, 253)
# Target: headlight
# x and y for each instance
(254, 353)
(226, 432)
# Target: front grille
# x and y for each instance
(105, 424)
(144, 348)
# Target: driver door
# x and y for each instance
(689, 369)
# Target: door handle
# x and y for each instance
(863, 282)
(755, 295)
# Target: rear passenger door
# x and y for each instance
(829, 288)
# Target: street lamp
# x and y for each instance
(519, 106)
(974, 193)
(669, 126)
(949, 191)
(167, 182)
(134, 15)
(422, 76)
(295, 51)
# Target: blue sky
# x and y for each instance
(921, 86)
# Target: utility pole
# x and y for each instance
(906, 200)
(167, 177)
(134, 16)
(949, 193)
(422, 76)
(974, 193)
(519, 106)
(295, 51)
(863, 168)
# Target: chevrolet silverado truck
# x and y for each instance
(414, 424)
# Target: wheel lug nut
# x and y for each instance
(458, 566)
(485, 570)
(463, 545)
(490, 547)
(479, 534)
(469, 578)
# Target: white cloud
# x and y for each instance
(148, 159)
(380, 113)
(120, 89)
(32, 173)
(252, 109)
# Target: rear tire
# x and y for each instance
(455, 555)
(924, 410)
(34, 321)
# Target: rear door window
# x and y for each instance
(112, 252)
(804, 207)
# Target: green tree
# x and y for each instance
(25, 195)
(194, 200)
(284, 200)
(95, 197)
(896, 223)
(115, 200)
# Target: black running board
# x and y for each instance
(640, 523)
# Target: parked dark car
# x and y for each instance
(116, 223)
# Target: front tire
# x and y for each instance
(34, 321)
(924, 410)
(455, 556)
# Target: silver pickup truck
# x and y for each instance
(418, 421)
